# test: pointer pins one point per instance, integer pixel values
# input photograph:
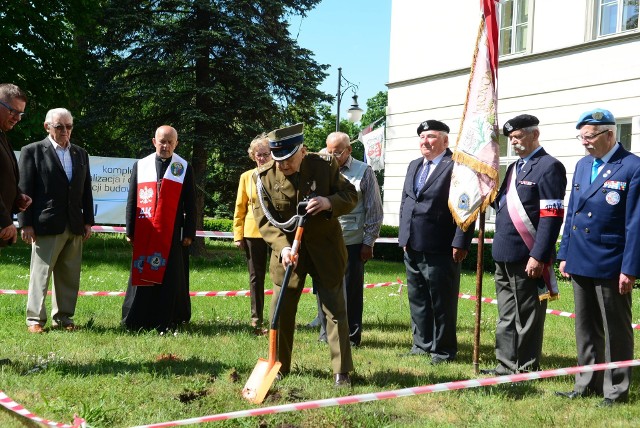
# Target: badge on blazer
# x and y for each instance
(612, 198)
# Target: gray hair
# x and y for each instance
(60, 111)
(260, 140)
(9, 91)
(612, 128)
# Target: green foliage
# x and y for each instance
(44, 50)
(218, 224)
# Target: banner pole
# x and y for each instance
(479, 275)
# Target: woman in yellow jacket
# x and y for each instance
(246, 235)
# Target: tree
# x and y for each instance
(219, 71)
(44, 50)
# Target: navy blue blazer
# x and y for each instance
(541, 186)
(426, 223)
(601, 236)
(57, 202)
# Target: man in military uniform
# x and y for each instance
(600, 251)
(290, 178)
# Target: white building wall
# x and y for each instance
(560, 78)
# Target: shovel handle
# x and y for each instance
(289, 271)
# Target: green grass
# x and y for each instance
(117, 379)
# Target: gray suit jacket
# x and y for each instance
(57, 202)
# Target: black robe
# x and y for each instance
(163, 306)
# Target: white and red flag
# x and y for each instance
(474, 181)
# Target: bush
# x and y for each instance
(218, 225)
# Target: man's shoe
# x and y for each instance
(314, 323)
(70, 327)
(607, 402)
(570, 395)
(259, 331)
(35, 329)
(437, 360)
(342, 380)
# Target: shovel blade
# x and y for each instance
(260, 381)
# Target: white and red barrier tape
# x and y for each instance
(229, 235)
(237, 293)
(549, 311)
(244, 293)
(407, 392)
(12, 406)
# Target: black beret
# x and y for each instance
(432, 125)
(519, 122)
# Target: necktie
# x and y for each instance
(422, 178)
(519, 166)
(594, 168)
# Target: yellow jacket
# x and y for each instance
(244, 225)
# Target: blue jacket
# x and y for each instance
(426, 224)
(601, 236)
(543, 178)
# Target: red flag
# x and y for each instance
(474, 181)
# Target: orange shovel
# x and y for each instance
(265, 371)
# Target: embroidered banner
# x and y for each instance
(474, 181)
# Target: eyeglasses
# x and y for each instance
(13, 112)
(337, 155)
(60, 127)
(263, 155)
(590, 138)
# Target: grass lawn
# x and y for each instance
(113, 378)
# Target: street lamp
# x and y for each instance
(354, 114)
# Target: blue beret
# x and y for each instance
(519, 122)
(432, 125)
(596, 117)
(285, 142)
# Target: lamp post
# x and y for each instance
(354, 114)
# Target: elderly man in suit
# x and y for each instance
(434, 246)
(529, 212)
(600, 251)
(12, 200)
(56, 175)
(290, 178)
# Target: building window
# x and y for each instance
(514, 26)
(624, 135)
(616, 16)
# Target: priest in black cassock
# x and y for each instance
(161, 219)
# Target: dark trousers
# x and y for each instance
(353, 286)
(333, 305)
(603, 334)
(256, 251)
(433, 285)
(521, 317)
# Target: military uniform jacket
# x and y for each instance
(426, 223)
(542, 182)
(322, 238)
(601, 236)
(57, 202)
